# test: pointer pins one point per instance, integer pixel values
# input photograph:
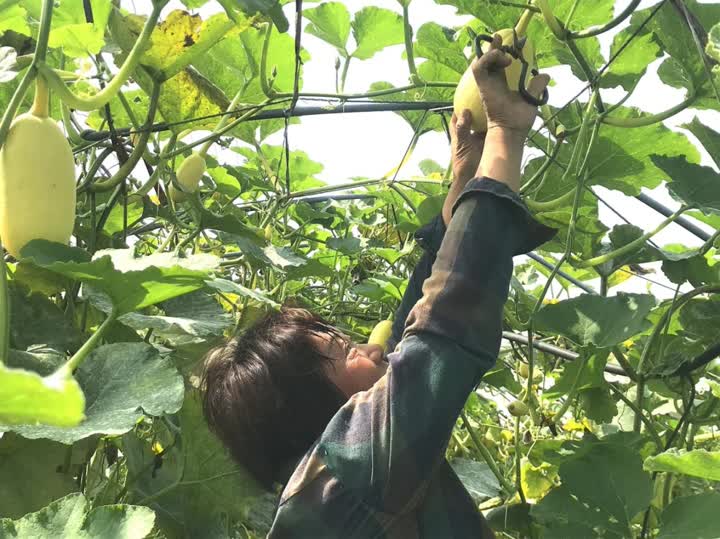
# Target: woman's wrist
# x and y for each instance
(502, 157)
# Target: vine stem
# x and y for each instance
(221, 123)
(596, 261)
(486, 455)
(518, 462)
(550, 20)
(78, 357)
(218, 132)
(597, 30)
(551, 204)
(645, 120)
(524, 21)
(127, 167)
(41, 103)
(4, 311)
(585, 125)
(570, 396)
(682, 300)
(638, 413)
(263, 63)
(106, 94)
(408, 33)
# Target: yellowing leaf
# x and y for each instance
(536, 480)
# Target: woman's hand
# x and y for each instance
(504, 108)
(466, 147)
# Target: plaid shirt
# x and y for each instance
(379, 469)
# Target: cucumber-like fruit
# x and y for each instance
(518, 408)
(37, 183)
(467, 95)
(188, 176)
(381, 333)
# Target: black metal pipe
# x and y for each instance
(562, 353)
(309, 110)
(667, 212)
(540, 260)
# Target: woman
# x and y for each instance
(358, 439)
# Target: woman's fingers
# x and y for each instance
(538, 84)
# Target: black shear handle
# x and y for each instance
(516, 52)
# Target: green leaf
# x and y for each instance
(492, 15)
(510, 518)
(120, 214)
(632, 63)
(598, 404)
(697, 463)
(708, 137)
(713, 46)
(477, 478)
(27, 397)
(374, 29)
(672, 73)
(73, 516)
(580, 374)
(186, 95)
(695, 185)
(620, 158)
(223, 285)
(33, 473)
(77, 40)
(196, 314)
(551, 52)
(603, 487)
(348, 246)
(330, 21)
(694, 269)
(673, 35)
(131, 283)
(198, 485)
(437, 43)
(69, 28)
(271, 8)
(14, 17)
(37, 320)
(591, 320)
(121, 382)
(694, 516)
(182, 39)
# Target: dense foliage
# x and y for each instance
(605, 425)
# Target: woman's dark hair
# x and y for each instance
(266, 393)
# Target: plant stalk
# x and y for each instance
(81, 355)
(106, 94)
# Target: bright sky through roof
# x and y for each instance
(370, 144)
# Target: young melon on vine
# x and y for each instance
(467, 95)
(188, 175)
(380, 334)
(37, 179)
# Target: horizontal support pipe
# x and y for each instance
(562, 353)
(540, 260)
(310, 110)
(667, 212)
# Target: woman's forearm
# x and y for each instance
(502, 157)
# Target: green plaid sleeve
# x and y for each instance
(373, 463)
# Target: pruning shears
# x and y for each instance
(516, 51)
